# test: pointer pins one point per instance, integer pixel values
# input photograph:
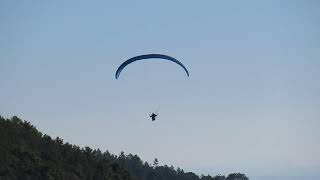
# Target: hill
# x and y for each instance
(26, 153)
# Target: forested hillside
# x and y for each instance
(26, 153)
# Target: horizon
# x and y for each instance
(250, 105)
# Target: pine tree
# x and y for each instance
(155, 162)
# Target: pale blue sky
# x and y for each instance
(251, 103)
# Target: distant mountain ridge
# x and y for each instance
(26, 153)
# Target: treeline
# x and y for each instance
(145, 171)
(26, 153)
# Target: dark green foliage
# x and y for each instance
(25, 153)
(143, 171)
(237, 176)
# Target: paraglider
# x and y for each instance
(153, 116)
(149, 57)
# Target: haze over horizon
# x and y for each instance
(250, 105)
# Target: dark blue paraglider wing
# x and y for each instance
(149, 56)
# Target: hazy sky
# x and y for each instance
(251, 103)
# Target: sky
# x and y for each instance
(250, 105)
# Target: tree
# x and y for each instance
(237, 176)
(155, 162)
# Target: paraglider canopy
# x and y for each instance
(149, 56)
